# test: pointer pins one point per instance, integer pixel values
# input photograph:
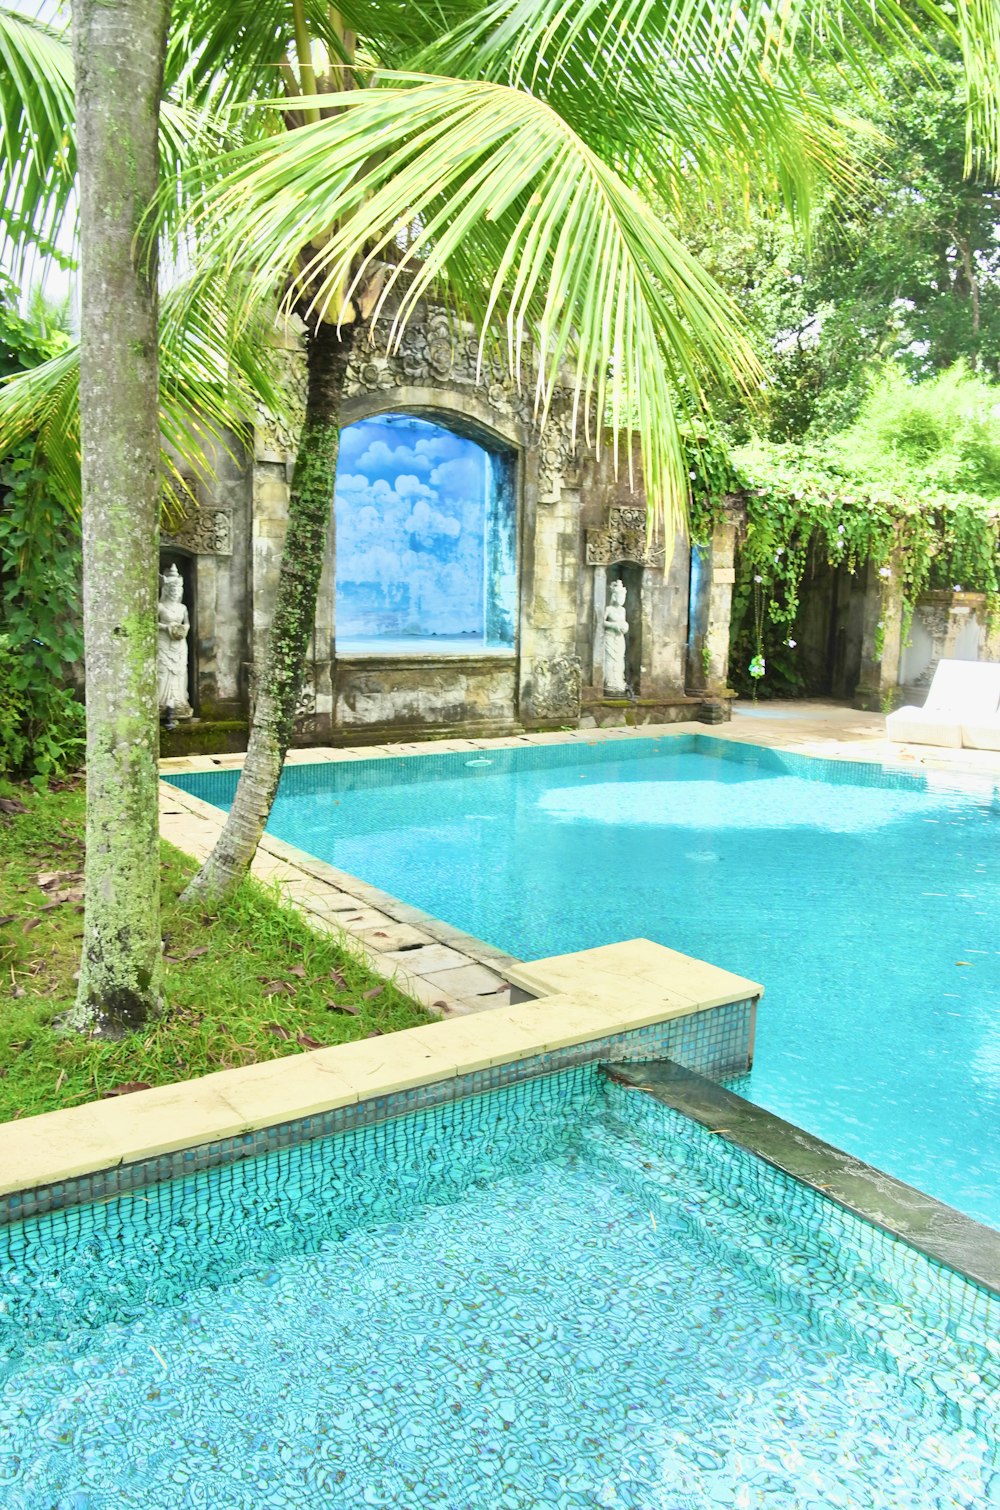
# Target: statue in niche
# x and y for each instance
(615, 631)
(172, 627)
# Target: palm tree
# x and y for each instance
(538, 149)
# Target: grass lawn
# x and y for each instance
(253, 982)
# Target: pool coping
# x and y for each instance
(934, 1229)
(56, 1148)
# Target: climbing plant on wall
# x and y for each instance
(874, 494)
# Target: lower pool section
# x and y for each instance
(561, 1294)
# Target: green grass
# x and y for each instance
(251, 983)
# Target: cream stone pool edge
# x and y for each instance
(643, 1001)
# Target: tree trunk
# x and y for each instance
(118, 54)
(309, 510)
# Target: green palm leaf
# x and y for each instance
(533, 42)
(37, 142)
(213, 376)
(522, 225)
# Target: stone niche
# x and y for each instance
(419, 655)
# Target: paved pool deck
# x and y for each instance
(449, 972)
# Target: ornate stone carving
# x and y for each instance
(274, 438)
(623, 538)
(306, 701)
(206, 532)
(553, 691)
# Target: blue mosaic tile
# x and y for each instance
(556, 1293)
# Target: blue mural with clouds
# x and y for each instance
(425, 537)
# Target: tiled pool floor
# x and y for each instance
(618, 1321)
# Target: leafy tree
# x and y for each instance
(904, 269)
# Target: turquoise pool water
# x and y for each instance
(868, 904)
(559, 1294)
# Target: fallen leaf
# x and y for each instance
(17, 992)
(10, 918)
(307, 1042)
(126, 1089)
(342, 1006)
(277, 1030)
(370, 995)
(964, 962)
(48, 906)
(31, 923)
(11, 805)
(299, 970)
(193, 954)
(338, 979)
(276, 988)
(375, 1033)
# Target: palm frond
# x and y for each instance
(214, 374)
(37, 142)
(533, 42)
(522, 225)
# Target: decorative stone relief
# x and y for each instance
(554, 690)
(306, 701)
(206, 532)
(274, 438)
(623, 538)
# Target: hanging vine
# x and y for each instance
(800, 509)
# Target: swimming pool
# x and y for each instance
(866, 901)
(560, 1293)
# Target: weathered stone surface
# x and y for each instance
(569, 502)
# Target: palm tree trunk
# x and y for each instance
(309, 509)
(118, 54)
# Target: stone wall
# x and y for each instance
(563, 492)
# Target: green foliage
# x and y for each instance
(903, 267)
(870, 496)
(41, 722)
(943, 434)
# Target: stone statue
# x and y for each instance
(615, 630)
(172, 626)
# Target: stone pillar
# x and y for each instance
(991, 638)
(600, 604)
(663, 609)
(713, 574)
(882, 637)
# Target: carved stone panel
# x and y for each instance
(553, 690)
(205, 532)
(623, 538)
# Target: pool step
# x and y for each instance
(744, 1216)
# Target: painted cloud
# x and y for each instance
(411, 514)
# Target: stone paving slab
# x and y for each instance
(466, 980)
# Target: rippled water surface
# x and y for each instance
(557, 1295)
(869, 910)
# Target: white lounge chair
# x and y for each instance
(982, 733)
(963, 695)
